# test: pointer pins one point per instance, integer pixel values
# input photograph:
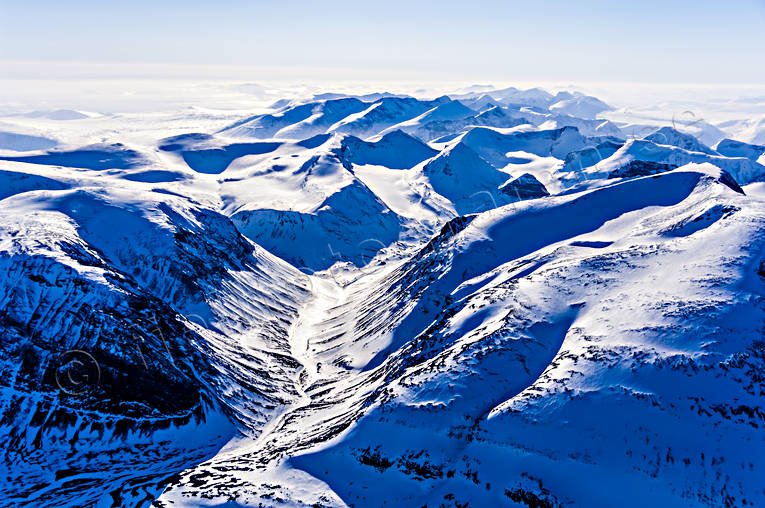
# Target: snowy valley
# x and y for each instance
(492, 297)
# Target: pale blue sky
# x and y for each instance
(648, 41)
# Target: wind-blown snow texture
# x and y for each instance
(495, 298)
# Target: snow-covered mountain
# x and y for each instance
(490, 298)
(580, 105)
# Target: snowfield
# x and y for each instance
(484, 298)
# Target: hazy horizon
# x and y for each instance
(700, 42)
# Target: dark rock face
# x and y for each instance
(111, 349)
(727, 179)
(641, 168)
(525, 186)
(108, 346)
(93, 369)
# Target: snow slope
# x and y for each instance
(394, 150)
(669, 136)
(664, 157)
(733, 148)
(24, 142)
(580, 106)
